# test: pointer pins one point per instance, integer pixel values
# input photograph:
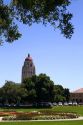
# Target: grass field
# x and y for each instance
(44, 123)
(75, 109)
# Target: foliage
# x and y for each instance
(8, 28)
(42, 115)
(34, 11)
(34, 90)
(40, 88)
(61, 94)
(22, 117)
(67, 94)
(11, 93)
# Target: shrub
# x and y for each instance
(42, 115)
(9, 118)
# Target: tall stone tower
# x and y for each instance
(28, 69)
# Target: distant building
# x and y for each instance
(28, 69)
(77, 96)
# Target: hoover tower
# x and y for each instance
(28, 69)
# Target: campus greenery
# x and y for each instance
(27, 12)
(44, 123)
(71, 109)
(37, 115)
(56, 112)
(33, 90)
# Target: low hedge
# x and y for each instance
(42, 115)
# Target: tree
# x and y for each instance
(12, 93)
(34, 11)
(61, 94)
(39, 88)
(29, 85)
(45, 89)
(8, 28)
(8, 92)
(67, 94)
(35, 89)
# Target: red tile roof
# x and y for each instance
(29, 58)
(78, 90)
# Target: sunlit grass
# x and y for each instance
(44, 123)
(75, 109)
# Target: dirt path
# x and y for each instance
(1, 119)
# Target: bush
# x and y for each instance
(9, 118)
(22, 117)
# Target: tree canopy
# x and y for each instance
(36, 89)
(39, 88)
(34, 11)
(11, 93)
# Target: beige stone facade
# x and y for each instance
(28, 69)
(77, 96)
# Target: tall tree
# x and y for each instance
(67, 94)
(29, 85)
(61, 94)
(39, 88)
(34, 11)
(45, 88)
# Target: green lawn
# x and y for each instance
(44, 123)
(76, 109)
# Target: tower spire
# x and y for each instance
(28, 55)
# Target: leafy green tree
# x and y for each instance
(12, 93)
(45, 88)
(67, 94)
(35, 89)
(29, 85)
(59, 94)
(8, 28)
(39, 88)
(34, 11)
(59, 98)
(8, 92)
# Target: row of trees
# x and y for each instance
(35, 89)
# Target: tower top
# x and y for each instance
(28, 55)
(29, 58)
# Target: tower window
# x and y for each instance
(30, 65)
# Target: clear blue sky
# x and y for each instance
(53, 54)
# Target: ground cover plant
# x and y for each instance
(38, 115)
